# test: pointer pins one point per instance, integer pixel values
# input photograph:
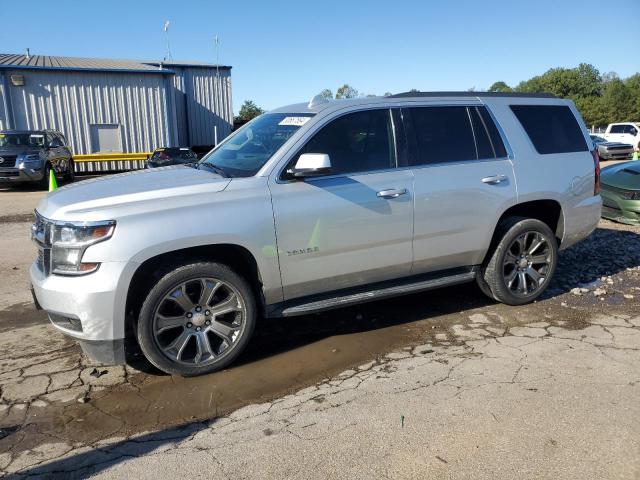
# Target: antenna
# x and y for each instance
(216, 42)
(167, 56)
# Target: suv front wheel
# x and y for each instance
(197, 319)
(523, 262)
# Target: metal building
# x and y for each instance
(105, 105)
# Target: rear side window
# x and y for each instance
(453, 134)
(443, 134)
(551, 128)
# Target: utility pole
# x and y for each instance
(167, 55)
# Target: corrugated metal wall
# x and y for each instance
(202, 101)
(72, 101)
(4, 121)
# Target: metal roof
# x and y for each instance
(47, 62)
(182, 63)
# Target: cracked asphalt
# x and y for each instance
(444, 384)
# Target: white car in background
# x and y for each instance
(626, 132)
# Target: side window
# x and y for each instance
(356, 142)
(63, 140)
(483, 143)
(551, 128)
(632, 130)
(494, 134)
(443, 134)
(617, 129)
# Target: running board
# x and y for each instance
(377, 294)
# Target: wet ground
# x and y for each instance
(53, 401)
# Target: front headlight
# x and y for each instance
(30, 161)
(69, 242)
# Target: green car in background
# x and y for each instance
(621, 192)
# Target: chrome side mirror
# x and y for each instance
(312, 165)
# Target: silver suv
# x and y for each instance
(317, 206)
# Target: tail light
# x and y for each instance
(596, 167)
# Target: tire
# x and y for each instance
(44, 183)
(522, 263)
(175, 336)
(70, 175)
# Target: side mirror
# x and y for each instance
(312, 165)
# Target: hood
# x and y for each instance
(623, 175)
(107, 198)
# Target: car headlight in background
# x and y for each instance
(31, 161)
(69, 242)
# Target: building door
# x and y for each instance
(105, 138)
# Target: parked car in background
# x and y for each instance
(621, 192)
(315, 206)
(163, 157)
(27, 156)
(625, 132)
(612, 150)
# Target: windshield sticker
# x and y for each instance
(294, 121)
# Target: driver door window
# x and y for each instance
(357, 142)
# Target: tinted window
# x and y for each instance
(551, 128)
(357, 142)
(485, 149)
(631, 130)
(617, 129)
(443, 134)
(494, 135)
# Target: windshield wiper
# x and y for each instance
(217, 170)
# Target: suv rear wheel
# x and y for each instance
(197, 319)
(522, 263)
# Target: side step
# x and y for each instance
(378, 293)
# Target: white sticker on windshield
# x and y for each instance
(294, 121)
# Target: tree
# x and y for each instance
(248, 111)
(387, 94)
(346, 91)
(500, 87)
(326, 93)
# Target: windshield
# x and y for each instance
(249, 148)
(597, 139)
(21, 140)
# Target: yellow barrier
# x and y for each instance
(101, 157)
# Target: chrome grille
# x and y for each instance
(41, 235)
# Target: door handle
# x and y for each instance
(494, 179)
(392, 192)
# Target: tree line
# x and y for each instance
(600, 98)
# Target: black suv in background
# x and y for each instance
(27, 156)
(163, 157)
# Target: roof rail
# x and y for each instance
(473, 94)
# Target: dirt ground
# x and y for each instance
(331, 383)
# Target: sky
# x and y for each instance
(285, 52)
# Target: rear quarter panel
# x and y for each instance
(567, 178)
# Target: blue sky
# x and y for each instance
(287, 51)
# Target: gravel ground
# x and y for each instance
(326, 390)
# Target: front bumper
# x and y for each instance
(20, 175)
(89, 308)
(619, 209)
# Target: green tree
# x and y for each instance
(248, 111)
(326, 93)
(500, 87)
(346, 91)
(387, 94)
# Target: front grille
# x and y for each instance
(41, 235)
(8, 161)
(621, 147)
(9, 172)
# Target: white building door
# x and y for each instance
(105, 138)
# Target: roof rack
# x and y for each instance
(473, 94)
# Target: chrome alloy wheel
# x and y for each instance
(199, 321)
(527, 264)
